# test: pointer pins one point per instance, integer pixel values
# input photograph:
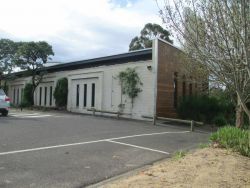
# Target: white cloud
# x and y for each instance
(77, 29)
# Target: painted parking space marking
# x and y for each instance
(31, 115)
(140, 147)
(96, 141)
(150, 134)
(19, 114)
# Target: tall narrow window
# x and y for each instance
(17, 99)
(93, 96)
(184, 87)
(50, 95)
(205, 86)
(21, 94)
(196, 88)
(85, 95)
(14, 96)
(45, 96)
(77, 95)
(190, 89)
(40, 96)
(175, 89)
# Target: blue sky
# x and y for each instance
(77, 29)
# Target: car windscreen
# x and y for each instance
(2, 92)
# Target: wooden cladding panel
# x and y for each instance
(168, 63)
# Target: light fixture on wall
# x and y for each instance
(149, 67)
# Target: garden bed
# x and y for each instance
(208, 167)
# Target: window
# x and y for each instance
(17, 101)
(184, 87)
(175, 89)
(45, 96)
(93, 96)
(50, 95)
(21, 94)
(40, 96)
(196, 87)
(14, 96)
(77, 95)
(85, 95)
(190, 89)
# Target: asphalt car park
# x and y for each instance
(49, 149)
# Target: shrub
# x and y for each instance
(27, 97)
(204, 108)
(5, 87)
(199, 108)
(220, 121)
(61, 92)
(234, 138)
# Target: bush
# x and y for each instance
(234, 138)
(204, 108)
(199, 108)
(5, 87)
(61, 92)
(220, 121)
(27, 98)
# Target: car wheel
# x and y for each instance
(5, 113)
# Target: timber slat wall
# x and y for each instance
(169, 63)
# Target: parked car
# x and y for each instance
(4, 103)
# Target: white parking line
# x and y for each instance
(39, 116)
(33, 115)
(49, 147)
(140, 147)
(95, 141)
(150, 134)
(22, 114)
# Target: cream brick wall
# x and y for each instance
(108, 89)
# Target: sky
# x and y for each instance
(77, 29)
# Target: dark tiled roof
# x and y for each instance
(140, 55)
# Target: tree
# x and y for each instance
(148, 33)
(217, 34)
(7, 51)
(31, 56)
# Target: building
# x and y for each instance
(93, 83)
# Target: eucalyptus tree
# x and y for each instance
(217, 34)
(7, 51)
(31, 57)
(149, 32)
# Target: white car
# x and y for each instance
(4, 103)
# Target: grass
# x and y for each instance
(179, 155)
(202, 145)
(233, 138)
